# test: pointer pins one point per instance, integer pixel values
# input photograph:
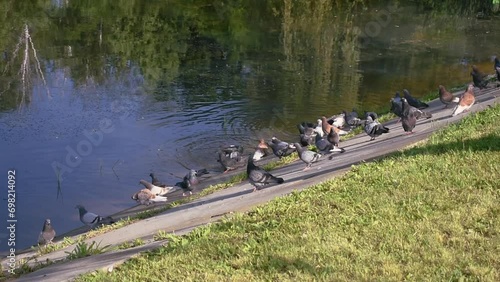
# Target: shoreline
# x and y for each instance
(314, 176)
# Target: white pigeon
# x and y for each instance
(156, 190)
(319, 128)
(260, 151)
(339, 121)
(145, 197)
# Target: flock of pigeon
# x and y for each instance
(324, 135)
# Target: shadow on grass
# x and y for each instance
(285, 265)
(489, 142)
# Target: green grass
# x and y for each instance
(428, 213)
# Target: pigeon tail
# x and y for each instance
(458, 110)
(278, 180)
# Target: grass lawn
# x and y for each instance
(428, 213)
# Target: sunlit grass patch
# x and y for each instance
(427, 213)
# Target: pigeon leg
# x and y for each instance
(254, 189)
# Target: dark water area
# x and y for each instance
(131, 87)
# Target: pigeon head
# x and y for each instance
(262, 144)
(46, 224)
(474, 68)
(81, 209)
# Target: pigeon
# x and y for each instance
(47, 234)
(319, 128)
(373, 128)
(466, 101)
(307, 156)
(145, 197)
(413, 101)
(280, 148)
(334, 138)
(478, 78)
(260, 151)
(307, 133)
(352, 118)
(496, 66)
(89, 218)
(155, 181)
(373, 115)
(409, 120)
(396, 105)
(323, 145)
(338, 121)
(156, 190)
(446, 97)
(190, 180)
(231, 157)
(258, 177)
(328, 127)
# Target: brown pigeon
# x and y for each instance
(146, 197)
(446, 97)
(466, 101)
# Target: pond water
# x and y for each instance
(131, 87)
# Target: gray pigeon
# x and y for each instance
(280, 148)
(478, 78)
(323, 145)
(231, 157)
(47, 234)
(189, 180)
(413, 101)
(307, 133)
(409, 120)
(308, 157)
(396, 105)
(373, 128)
(410, 116)
(88, 218)
(352, 118)
(258, 177)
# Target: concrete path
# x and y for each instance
(238, 198)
